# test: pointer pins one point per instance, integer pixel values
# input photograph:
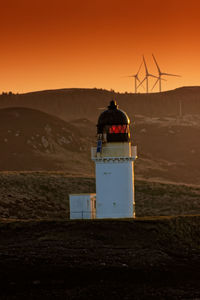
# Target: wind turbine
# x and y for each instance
(136, 78)
(160, 74)
(147, 76)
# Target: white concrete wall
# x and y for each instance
(82, 206)
(114, 189)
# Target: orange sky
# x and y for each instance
(94, 43)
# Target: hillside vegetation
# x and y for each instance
(46, 196)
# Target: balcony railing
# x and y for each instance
(106, 152)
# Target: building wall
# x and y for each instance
(115, 189)
(82, 206)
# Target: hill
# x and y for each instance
(168, 148)
(69, 104)
(34, 140)
(168, 144)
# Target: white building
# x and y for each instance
(114, 163)
(82, 206)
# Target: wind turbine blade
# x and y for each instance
(139, 68)
(138, 79)
(155, 84)
(141, 82)
(151, 75)
(145, 65)
(159, 71)
(168, 74)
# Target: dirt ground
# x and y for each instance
(145, 258)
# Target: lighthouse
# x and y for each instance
(114, 164)
(114, 158)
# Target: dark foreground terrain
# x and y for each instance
(44, 255)
(145, 258)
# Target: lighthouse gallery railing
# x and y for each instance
(106, 152)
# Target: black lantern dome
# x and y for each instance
(113, 124)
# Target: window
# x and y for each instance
(118, 129)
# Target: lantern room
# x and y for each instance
(113, 125)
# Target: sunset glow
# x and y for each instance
(93, 43)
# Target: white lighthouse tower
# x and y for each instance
(114, 161)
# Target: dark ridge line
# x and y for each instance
(101, 90)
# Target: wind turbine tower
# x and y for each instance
(160, 74)
(136, 78)
(146, 76)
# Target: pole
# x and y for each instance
(135, 86)
(160, 84)
(147, 85)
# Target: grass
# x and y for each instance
(40, 195)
